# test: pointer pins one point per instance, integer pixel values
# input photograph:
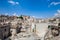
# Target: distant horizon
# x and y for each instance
(28, 15)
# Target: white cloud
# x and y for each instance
(15, 14)
(6, 13)
(54, 3)
(58, 13)
(17, 2)
(13, 2)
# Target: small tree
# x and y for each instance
(20, 17)
(49, 27)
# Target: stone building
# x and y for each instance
(16, 26)
(4, 31)
(25, 17)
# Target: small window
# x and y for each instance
(59, 24)
(5, 29)
(52, 28)
(11, 31)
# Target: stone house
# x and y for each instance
(4, 31)
(16, 26)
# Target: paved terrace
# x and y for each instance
(25, 36)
